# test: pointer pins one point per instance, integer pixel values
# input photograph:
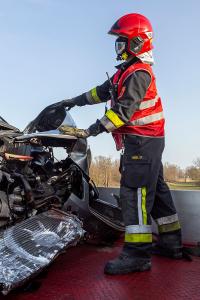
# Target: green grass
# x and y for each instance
(183, 186)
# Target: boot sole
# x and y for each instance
(146, 267)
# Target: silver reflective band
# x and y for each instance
(138, 229)
(139, 198)
(107, 124)
(148, 119)
(148, 103)
(167, 220)
(89, 98)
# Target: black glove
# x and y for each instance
(69, 103)
(96, 129)
(64, 103)
(80, 100)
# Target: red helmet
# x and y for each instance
(136, 29)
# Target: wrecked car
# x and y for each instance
(47, 203)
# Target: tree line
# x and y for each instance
(105, 172)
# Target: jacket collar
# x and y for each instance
(130, 61)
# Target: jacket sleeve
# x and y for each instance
(96, 95)
(133, 91)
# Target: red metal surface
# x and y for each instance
(78, 275)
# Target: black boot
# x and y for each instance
(127, 262)
(169, 245)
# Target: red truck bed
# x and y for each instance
(78, 275)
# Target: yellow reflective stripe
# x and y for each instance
(95, 96)
(138, 238)
(169, 227)
(144, 211)
(113, 117)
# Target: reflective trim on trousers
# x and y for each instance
(142, 213)
(167, 220)
(138, 237)
(142, 232)
(138, 229)
(169, 227)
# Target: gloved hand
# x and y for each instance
(80, 100)
(69, 103)
(73, 131)
(96, 129)
(93, 130)
(64, 103)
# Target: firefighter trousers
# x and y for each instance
(145, 195)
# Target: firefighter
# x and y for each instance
(136, 122)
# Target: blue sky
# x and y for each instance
(56, 49)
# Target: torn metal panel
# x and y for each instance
(29, 246)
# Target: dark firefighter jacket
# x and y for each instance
(137, 97)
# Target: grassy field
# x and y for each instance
(183, 186)
(173, 186)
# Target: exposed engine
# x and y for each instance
(31, 181)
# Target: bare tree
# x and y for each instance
(172, 173)
(104, 171)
